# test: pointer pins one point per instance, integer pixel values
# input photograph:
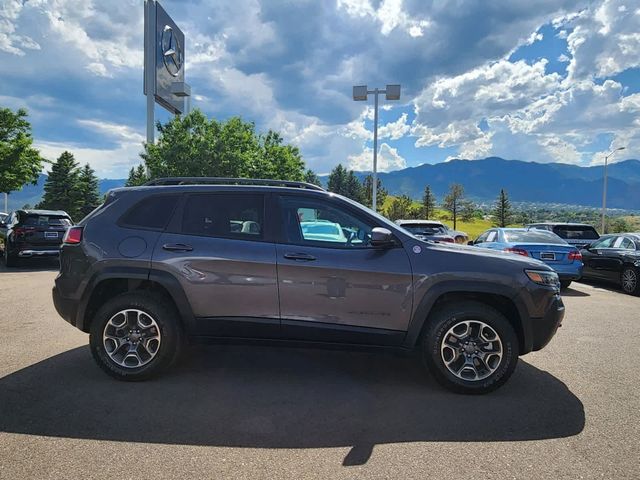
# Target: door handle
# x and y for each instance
(305, 257)
(177, 247)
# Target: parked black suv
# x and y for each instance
(287, 261)
(577, 234)
(32, 233)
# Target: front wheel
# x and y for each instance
(135, 336)
(470, 347)
(629, 281)
(564, 284)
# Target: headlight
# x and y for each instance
(542, 277)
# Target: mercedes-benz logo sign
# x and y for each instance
(171, 51)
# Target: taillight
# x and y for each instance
(22, 230)
(446, 239)
(517, 251)
(73, 236)
(575, 256)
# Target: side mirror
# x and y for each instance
(381, 237)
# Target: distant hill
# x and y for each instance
(524, 181)
(482, 181)
(32, 194)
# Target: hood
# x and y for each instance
(475, 254)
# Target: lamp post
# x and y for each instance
(604, 189)
(361, 93)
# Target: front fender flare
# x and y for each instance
(427, 302)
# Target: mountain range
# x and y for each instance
(482, 180)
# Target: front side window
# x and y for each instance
(319, 223)
(224, 215)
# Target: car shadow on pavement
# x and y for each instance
(274, 397)
(602, 285)
(572, 292)
(32, 265)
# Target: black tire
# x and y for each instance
(10, 260)
(564, 284)
(630, 280)
(165, 316)
(447, 317)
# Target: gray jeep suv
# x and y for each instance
(275, 261)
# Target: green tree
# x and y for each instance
(62, 190)
(428, 203)
(453, 202)
(401, 208)
(381, 193)
(311, 177)
(337, 182)
(192, 145)
(89, 191)
(502, 213)
(137, 176)
(354, 189)
(467, 210)
(20, 163)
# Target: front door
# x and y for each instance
(333, 284)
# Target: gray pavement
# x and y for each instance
(570, 411)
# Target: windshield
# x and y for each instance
(576, 232)
(532, 236)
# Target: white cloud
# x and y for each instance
(605, 40)
(10, 41)
(388, 159)
(395, 130)
(107, 162)
(390, 14)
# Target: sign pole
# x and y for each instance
(150, 66)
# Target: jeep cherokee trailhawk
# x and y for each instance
(180, 259)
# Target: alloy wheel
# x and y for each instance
(629, 280)
(471, 350)
(131, 338)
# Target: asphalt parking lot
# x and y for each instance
(570, 411)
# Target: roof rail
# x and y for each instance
(230, 181)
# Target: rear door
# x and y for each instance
(334, 286)
(218, 248)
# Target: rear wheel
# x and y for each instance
(630, 281)
(564, 284)
(470, 347)
(135, 336)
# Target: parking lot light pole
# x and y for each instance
(604, 189)
(360, 93)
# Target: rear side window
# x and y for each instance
(576, 232)
(46, 221)
(151, 213)
(226, 216)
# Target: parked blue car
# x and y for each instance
(542, 245)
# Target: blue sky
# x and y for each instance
(551, 80)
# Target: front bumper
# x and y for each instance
(544, 328)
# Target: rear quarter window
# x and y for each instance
(152, 213)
